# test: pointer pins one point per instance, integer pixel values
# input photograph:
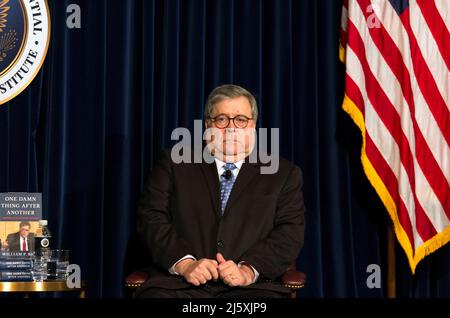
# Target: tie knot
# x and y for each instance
(229, 166)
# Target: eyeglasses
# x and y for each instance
(223, 121)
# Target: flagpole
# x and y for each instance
(391, 290)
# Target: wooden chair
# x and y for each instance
(292, 279)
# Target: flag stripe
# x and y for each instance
(377, 96)
(434, 100)
(392, 55)
(443, 7)
(390, 118)
(430, 52)
(426, 83)
(390, 180)
(437, 27)
(385, 172)
(402, 67)
(390, 153)
(397, 90)
(391, 87)
(354, 93)
(355, 71)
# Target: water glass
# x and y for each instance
(57, 265)
(39, 268)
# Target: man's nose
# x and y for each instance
(231, 124)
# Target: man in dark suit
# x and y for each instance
(22, 241)
(221, 229)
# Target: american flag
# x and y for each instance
(397, 90)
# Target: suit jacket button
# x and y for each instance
(220, 243)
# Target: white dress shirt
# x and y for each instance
(220, 167)
(21, 243)
(220, 170)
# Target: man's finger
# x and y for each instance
(220, 258)
(214, 262)
(194, 281)
(226, 273)
(228, 264)
(233, 281)
(212, 268)
(205, 274)
(208, 261)
(201, 277)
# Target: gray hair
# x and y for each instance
(24, 223)
(229, 91)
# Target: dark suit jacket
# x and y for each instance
(14, 242)
(263, 223)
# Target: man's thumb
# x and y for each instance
(220, 258)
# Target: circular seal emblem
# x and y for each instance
(24, 39)
(45, 242)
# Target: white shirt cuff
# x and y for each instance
(172, 269)
(255, 278)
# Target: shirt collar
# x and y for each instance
(220, 164)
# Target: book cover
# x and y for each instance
(15, 276)
(19, 219)
(13, 265)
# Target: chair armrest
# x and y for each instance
(136, 279)
(293, 279)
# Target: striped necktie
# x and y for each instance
(226, 184)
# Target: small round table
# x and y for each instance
(45, 286)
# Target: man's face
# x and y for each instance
(24, 231)
(232, 141)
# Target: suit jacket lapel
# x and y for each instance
(246, 174)
(212, 179)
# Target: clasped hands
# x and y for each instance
(203, 270)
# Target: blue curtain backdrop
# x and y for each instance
(88, 129)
